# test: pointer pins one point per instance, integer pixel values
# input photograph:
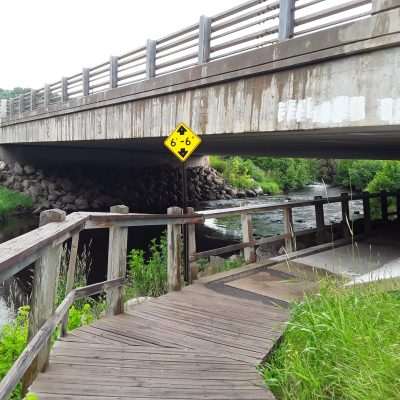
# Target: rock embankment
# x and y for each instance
(144, 190)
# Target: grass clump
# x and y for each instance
(148, 276)
(340, 344)
(10, 201)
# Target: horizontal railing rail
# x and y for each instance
(251, 25)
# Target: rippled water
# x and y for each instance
(271, 223)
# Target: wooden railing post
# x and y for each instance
(73, 255)
(21, 105)
(174, 239)
(116, 267)
(398, 204)
(367, 212)
(192, 245)
(286, 19)
(384, 205)
(204, 39)
(113, 72)
(43, 295)
(150, 59)
(247, 235)
(346, 215)
(288, 228)
(320, 219)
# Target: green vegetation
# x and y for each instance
(271, 175)
(10, 93)
(10, 201)
(227, 265)
(14, 335)
(340, 344)
(148, 277)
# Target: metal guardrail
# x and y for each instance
(251, 25)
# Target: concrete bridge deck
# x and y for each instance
(193, 344)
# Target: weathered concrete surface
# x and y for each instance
(322, 94)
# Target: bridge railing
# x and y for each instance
(252, 25)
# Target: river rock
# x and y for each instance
(3, 165)
(18, 170)
(29, 170)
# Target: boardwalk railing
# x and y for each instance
(289, 235)
(43, 246)
(251, 25)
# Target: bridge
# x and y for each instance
(308, 82)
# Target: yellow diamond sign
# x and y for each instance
(182, 142)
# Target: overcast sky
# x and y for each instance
(43, 40)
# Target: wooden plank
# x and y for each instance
(174, 240)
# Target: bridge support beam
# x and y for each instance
(384, 5)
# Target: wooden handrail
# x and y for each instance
(41, 338)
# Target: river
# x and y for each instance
(228, 228)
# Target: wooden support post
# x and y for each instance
(116, 268)
(367, 213)
(398, 204)
(73, 255)
(288, 228)
(33, 99)
(113, 72)
(46, 95)
(247, 235)
(85, 81)
(320, 219)
(43, 295)
(64, 90)
(384, 205)
(174, 239)
(192, 245)
(286, 19)
(150, 59)
(346, 223)
(204, 39)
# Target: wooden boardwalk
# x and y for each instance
(194, 344)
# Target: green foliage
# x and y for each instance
(13, 339)
(387, 178)
(357, 173)
(340, 344)
(31, 396)
(10, 201)
(148, 277)
(232, 264)
(271, 174)
(10, 93)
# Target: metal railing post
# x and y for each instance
(85, 81)
(204, 39)
(33, 99)
(150, 59)
(286, 19)
(113, 72)
(46, 95)
(64, 90)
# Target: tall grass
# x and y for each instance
(340, 344)
(10, 201)
(148, 276)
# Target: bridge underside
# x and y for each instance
(358, 144)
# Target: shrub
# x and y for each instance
(148, 277)
(11, 201)
(340, 344)
(357, 173)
